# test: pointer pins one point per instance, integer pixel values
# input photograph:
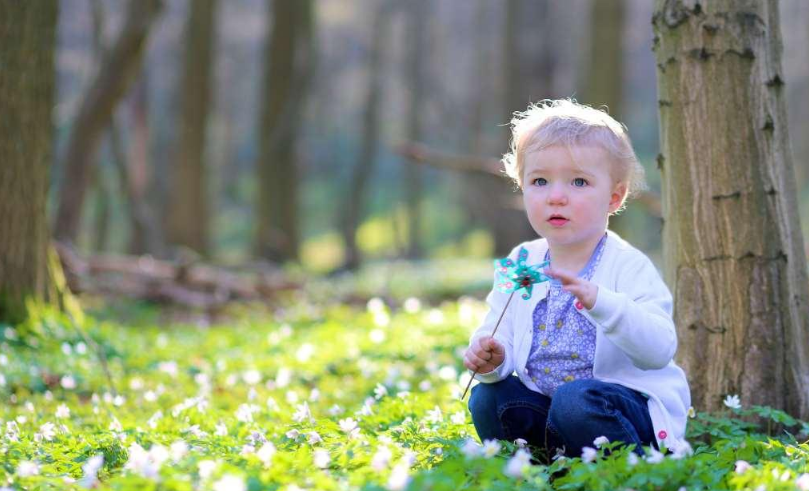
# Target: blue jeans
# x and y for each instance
(579, 412)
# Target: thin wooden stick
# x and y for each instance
(493, 332)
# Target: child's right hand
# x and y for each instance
(484, 355)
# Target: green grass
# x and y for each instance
(269, 399)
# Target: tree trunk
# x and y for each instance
(112, 81)
(286, 73)
(732, 241)
(604, 76)
(361, 174)
(419, 20)
(188, 208)
(27, 90)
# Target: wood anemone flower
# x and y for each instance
(512, 278)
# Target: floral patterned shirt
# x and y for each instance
(564, 341)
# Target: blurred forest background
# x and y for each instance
(284, 132)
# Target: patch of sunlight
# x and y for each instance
(380, 235)
(323, 253)
(477, 244)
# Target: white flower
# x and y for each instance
(520, 442)
(2, 380)
(47, 431)
(425, 385)
(67, 349)
(412, 305)
(733, 402)
(314, 395)
(802, 482)
(349, 426)
(150, 396)
(251, 377)
(293, 434)
(692, 413)
(742, 466)
(321, 458)
(682, 450)
(68, 382)
(248, 449)
(115, 425)
(471, 449)
(283, 377)
(458, 418)
(490, 448)
(221, 430)
(152, 422)
(244, 413)
(305, 352)
(27, 469)
(302, 413)
(399, 478)
(229, 482)
(144, 463)
(376, 304)
(178, 450)
(632, 459)
(381, 458)
(265, 453)
(380, 391)
(313, 437)
(588, 454)
(602, 440)
(518, 464)
(434, 415)
(169, 367)
(206, 468)
(654, 456)
(447, 372)
(377, 336)
(81, 348)
(336, 410)
(272, 406)
(91, 468)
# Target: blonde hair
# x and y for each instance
(568, 123)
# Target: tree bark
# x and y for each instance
(27, 95)
(188, 209)
(731, 238)
(286, 74)
(116, 74)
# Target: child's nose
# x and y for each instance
(557, 194)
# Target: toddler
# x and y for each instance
(593, 348)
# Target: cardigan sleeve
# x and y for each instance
(497, 301)
(638, 317)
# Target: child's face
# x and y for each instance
(568, 202)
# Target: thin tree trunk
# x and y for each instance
(188, 208)
(419, 19)
(732, 241)
(286, 74)
(27, 94)
(116, 74)
(604, 77)
(361, 174)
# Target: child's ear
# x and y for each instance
(617, 196)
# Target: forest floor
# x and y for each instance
(310, 394)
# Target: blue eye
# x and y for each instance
(540, 181)
(579, 182)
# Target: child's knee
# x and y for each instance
(482, 400)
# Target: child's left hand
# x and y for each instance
(585, 291)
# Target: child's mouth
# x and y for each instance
(557, 221)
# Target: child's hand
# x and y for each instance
(485, 354)
(585, 291)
